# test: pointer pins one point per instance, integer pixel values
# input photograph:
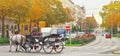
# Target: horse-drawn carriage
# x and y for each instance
(46, 40)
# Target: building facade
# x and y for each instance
(77, 12)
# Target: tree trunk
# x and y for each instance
(3, 29)
(19, 24)
(80, 28)
(38, 26)
(18, 27)
(114, 29)
(30, 25)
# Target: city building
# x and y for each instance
(77, 12)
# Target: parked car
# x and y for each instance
(108, 35)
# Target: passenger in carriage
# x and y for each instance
(33, 34)
(35, 28)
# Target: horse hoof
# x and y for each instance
(9, 50)
(16, 50)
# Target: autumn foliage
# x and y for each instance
(22, 11)
(90, 23)
(111, 15)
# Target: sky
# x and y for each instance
(92, 7)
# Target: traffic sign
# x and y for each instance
(67, 28)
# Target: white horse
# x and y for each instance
(17, 40)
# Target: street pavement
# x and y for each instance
(99, 47)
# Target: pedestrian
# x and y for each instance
(35, 28)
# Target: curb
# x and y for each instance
(4, 44)
(116, 52)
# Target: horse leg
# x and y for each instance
(10, 46)
(16, 47)
(19, 47)
(22, 44)
(24, 41)
(22, 48)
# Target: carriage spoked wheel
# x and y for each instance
(28, 47)
(47, 46)
(38, 47)
(58, 47)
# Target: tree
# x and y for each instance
(3, 12)
(75, 28)
(111, 14)
(2, 17)
(19, 11)
(69, 15)
(50, 11)
(56, 12)
(90, 23)
(15, 10)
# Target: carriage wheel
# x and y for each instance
(47, 47)
(28, 47)
(38, 47)
(59, 46)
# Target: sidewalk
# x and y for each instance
(4, 44)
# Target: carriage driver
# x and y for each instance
(35, 30)
(17, 31)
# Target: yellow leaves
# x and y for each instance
(68, 12)
(36, 7)
(36, 11)
(37, 0)
(42, 24)
(109, 23)
(92, 21)
(111, 13)
(113, 19)
(70, 19)
(39, 9)
(17, 9)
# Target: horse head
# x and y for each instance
(10, 34)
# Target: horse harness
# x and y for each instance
(16, 40)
